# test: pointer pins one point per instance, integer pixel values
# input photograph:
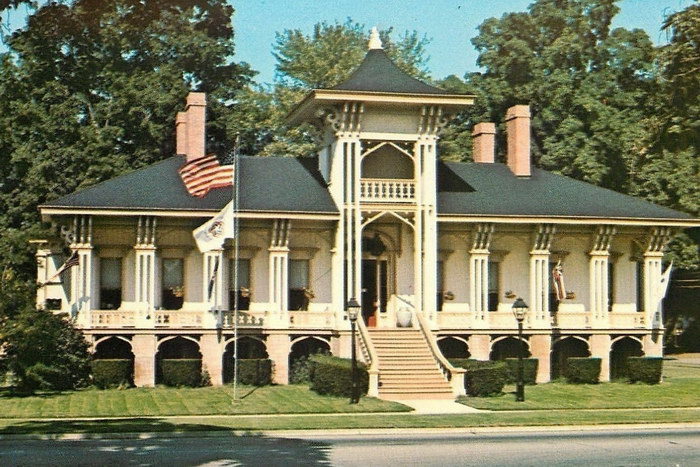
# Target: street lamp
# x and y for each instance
(353, 310)
(519, 311)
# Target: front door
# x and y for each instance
(374, 289)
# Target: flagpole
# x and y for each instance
(235, 195)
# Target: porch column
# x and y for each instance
(147, 270)
(479, 275)
(279, 272)
(600, 348)
(215, 276)
(657, 240)
(144, 348)
(84, 276)
(278, 347)
(598, 275)
(541, 349)
(212, 349)
(480, 346)
(654, 344)
(539, 276)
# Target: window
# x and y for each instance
(494, 274)
(440, 284)
(242, 293)
(611, 285)
(110, 283)
(299, 284)
(173, 283)
(640, 286)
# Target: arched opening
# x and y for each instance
(621, 349)
(510, 347)
(114, 363)
(387, 162)
(178, 348)
(299, 358)
(248, 348)
(113, 348)
(562, 350)
(452, 347)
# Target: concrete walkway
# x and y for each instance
(437, 406)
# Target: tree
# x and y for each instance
(588, 86)
(321, 59)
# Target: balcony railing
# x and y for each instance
(178, 319)
(387, 190)
(112, 319)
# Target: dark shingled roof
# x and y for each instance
(267, 184)
(377, 73)
(492, 189)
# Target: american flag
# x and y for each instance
(558, 280)
(73, 260)
(204, 174)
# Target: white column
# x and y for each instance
(598, 280)
(479, 287)
(147, 290)
(218, 300)
(652, 276)
(279, 272)
(539, 289)
(84, 280)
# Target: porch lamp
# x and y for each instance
(353, 311)
(519, 310)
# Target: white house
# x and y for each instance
(376, 216)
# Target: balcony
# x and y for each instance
(387, 190)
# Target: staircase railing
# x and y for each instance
(370, 357)
(454, 375)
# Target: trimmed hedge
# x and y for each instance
(529, 370)
(483, 378)
(252, 371)
(582, 370)
(333, 376)
(181, 372)
(111, 373)
(644, 369)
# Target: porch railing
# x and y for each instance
(389, 190)
(370, 357)
(178, 319)
(629, 319)
(311, 319)
(112, 318)
(246, 318)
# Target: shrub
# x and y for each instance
(470, 363)
(483, 378)
(333, 376)
(181, 372)
(644, 369)
(110, 373)
(529, 370)
(302, 368)
(582, 370)
(253, 371)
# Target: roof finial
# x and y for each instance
(374, 41)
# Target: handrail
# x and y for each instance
(453, 374)
(370, 356)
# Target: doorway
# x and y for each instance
(374, 289)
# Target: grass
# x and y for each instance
(679, 389)
(163, 401)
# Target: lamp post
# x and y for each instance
(353, 310)
(519, 311)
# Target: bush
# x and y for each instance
(470, 363)
(483, 378)
(252, 371)
(529, 370)
(644, 369)
(181, 372)
(582, 370)
(302, 368)
(333, 376)
(110, 373)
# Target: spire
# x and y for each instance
(374, 41)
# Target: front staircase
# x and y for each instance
(407, 368)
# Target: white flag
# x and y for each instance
(211, 235)
(662, 286)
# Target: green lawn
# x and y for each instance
(680, 388)
(163, 401)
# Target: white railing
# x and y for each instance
(455, 319)
(370, 357)
(571, 319)
(389, 190)
(245, 318)
(178, 318)
(629, 319)
(112, 318)
(311, 319)
(502, 320)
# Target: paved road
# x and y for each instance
(669, 447)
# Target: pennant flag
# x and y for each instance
(211, 235)
(662, 286)
(212, 281)
(558, 281)
(204, 174)
(73, 260)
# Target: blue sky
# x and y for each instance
(449, 23)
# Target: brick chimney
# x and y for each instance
(484, 143)
(196, 111)
(518, 129)
(181, 133)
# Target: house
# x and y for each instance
(435, 252)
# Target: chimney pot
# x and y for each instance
(196, 125)
(484, 143)
(518, 129)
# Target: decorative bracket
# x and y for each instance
(146, 231)
(481, 237)
(543, 237)
(602, 239)
(280, 233)
(432, 120)
(348, 119)
(657, 240)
